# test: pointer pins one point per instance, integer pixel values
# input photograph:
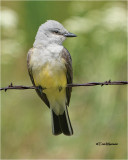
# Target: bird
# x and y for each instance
(50, 69)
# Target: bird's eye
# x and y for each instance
(55, 31)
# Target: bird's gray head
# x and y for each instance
(51, 32)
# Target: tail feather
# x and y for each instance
(61, 124)
(56, 130)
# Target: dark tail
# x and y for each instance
(61, 124)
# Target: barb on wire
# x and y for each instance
(99, 83)
(11, 86)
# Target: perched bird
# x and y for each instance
(50, 69)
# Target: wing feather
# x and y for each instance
(68, 63)
(39, 91)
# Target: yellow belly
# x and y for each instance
(54, 80)
(50, 77)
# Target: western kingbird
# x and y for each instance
(50, 67)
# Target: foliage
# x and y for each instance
(98, 114)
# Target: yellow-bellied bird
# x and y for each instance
(50, 67)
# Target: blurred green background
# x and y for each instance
(98, 114)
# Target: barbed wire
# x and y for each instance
(21, 87)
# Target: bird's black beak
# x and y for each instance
(70, 35)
